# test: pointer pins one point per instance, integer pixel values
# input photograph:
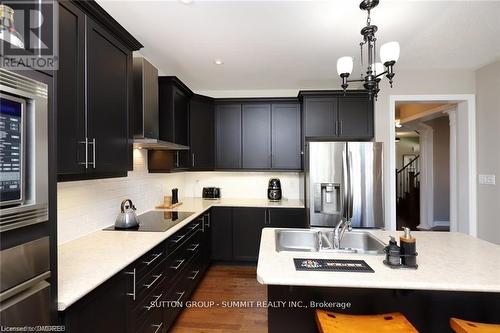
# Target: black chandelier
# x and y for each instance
(389, 54)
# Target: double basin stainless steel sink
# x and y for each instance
(320, 241)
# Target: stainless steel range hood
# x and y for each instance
(146, 116)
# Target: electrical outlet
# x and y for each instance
(487, 179)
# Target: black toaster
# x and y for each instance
(211, 193)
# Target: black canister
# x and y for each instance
(408, 248)
(392, 252)
(175, 196)
(274, 189)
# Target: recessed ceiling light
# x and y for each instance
(186, 2)
(218, 62)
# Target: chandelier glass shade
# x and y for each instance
(389, 55)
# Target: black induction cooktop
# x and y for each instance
(156, 221)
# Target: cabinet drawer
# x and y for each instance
(182, 256)
(177, 239)
(145, 317)
(148, 261)
(149, 282)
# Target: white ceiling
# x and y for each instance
(295, 44)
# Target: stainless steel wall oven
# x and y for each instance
(24, 186)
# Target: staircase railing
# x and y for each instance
(408, 177)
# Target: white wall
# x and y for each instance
(430, 82)
(87, 206)
(488, 151)
(441, 167)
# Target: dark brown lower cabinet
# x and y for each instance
(149, 294)
(236, 231)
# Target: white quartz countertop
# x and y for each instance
(85, 263)
(446, 261)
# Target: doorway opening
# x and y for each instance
(451, 117)
(423, 149)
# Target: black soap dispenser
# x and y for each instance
(392, 253)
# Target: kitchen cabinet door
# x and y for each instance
(109, 74)
(287, 218)
(228, 136)
(256, 136)
(320, 116)
(356, 118)
(202, 133)
(286, 134)
(101, 311)
(221, 219)
(247, 228)
(181, 109)
(71, 90)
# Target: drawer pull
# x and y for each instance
(155, 256)
(194, 226)
(194, 276)
(207, 215)
(180, 296)
(133, 281)
(178, 239)
(154, 281)
(156, 300)
(195, 246)
(158, 327)
(180, 262)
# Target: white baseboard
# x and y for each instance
(441, 223)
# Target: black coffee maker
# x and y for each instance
(274, 189)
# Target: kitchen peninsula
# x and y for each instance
(458, 275)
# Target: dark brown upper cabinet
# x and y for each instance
(285, 136)
(256, 136)
(173, 110)
(228, 136)
(202, 132)
(94, 93)
(337, 116)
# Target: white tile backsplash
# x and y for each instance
(90, 205)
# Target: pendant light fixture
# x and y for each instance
(389, 55)
(7, 31)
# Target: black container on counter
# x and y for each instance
(392, 253)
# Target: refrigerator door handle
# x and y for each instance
(346, 186)
(351, 189)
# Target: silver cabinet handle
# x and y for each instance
(195, 246)
(180, 262)
(158, 327)
(208, 219)
(156, 300)
(177, 159)
(194, 226)
(192, 159)
(93, 152)
(86, 143)
(178, 239)
(341, 127)
(133, 281)
(202, 224)
(155, 256)
(268, 216)
(180, 296)
(194, 276)
(156, 277)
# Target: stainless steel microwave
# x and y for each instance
(12, 150)
(23, 150)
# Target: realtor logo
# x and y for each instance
(28, 34)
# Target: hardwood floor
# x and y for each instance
(226, 283)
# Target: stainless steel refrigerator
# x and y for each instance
(344, 181)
